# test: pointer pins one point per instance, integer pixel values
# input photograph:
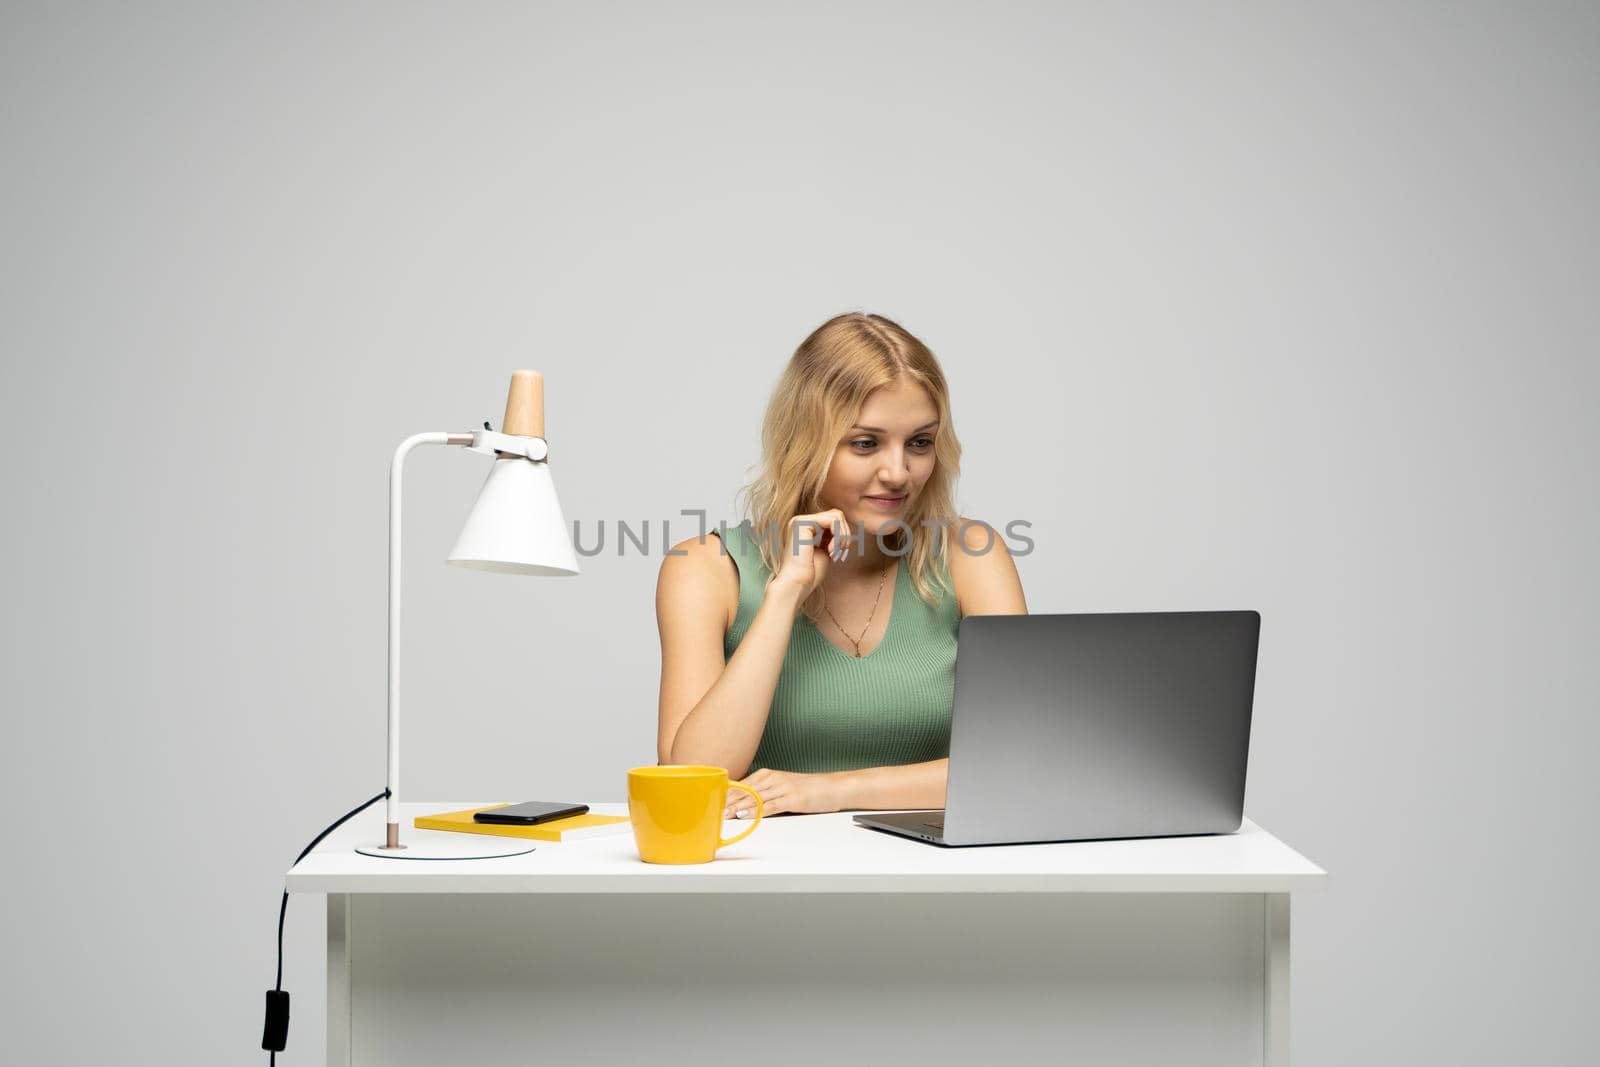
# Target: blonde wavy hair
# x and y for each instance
(819, 396)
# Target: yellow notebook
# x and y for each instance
(572, 828)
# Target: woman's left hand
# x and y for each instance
(783, 791)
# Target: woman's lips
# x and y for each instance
(886, 503)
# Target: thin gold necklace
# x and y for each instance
(854, 640)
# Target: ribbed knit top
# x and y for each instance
(834, 712)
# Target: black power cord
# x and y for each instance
(275, 1034)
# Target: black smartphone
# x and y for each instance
(534, 811)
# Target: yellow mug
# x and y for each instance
(676, 812)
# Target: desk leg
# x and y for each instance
(1275, 912)
(338, 980)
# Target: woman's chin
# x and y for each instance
(874, 522)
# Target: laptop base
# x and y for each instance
(921, 825)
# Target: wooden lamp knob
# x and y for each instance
(525, 405)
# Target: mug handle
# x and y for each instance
(752, 829)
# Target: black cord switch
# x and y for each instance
(276, 1033)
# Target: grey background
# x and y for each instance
(1242, 306)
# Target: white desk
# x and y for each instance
(812, 941)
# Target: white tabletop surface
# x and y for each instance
(826, 853)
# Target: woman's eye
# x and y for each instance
(867, 442)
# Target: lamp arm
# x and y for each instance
(396, 472)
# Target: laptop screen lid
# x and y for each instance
(1075, 727)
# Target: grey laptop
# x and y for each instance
(1078, 727)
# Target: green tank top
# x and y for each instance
(834, 712)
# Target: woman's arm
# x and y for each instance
(912, 785)
(714, 713)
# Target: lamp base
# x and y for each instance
(448, 847)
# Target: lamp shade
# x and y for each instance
(516, 527)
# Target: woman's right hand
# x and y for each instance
(803, 565)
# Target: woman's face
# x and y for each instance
(887, 453)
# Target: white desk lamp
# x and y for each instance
(516, 527)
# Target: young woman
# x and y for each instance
(813, 653)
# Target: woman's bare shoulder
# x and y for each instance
(982, 571)
(704, 561)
